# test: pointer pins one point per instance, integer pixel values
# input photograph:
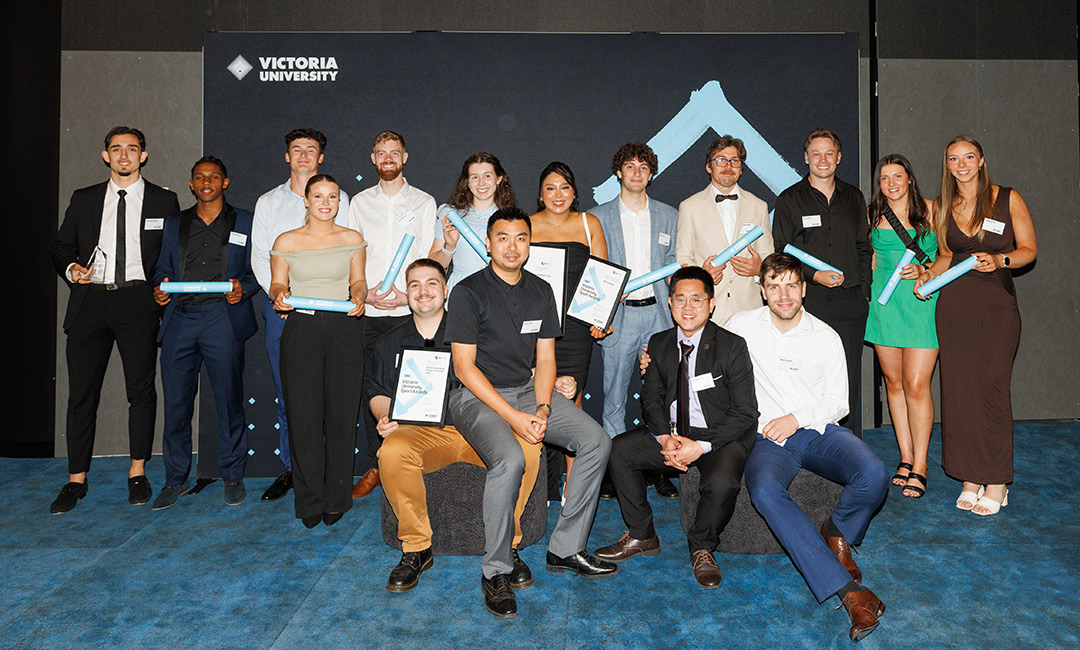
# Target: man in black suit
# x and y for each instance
(707, 422)
(123, 217)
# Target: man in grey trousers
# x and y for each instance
(502, 323)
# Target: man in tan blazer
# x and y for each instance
(718, 215)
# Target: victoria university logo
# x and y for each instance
(288, 68)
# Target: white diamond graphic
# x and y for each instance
(239, 67)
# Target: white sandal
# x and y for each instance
(970, 497)
(991, 506)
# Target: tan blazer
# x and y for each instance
(701, 235)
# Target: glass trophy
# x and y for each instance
(98, 263)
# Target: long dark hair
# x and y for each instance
(950, 193)
(562, 169)
(461, 198)
(918, 215)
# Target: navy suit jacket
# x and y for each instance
(241, 315)
(663, 219)
(730, 406)
(81, 229)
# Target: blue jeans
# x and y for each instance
(836, 455)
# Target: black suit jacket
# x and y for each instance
(81, 229)
(730, 406)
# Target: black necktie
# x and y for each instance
(720, 198)
(121, 238)
(682, 397)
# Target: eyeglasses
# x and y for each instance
(696, 303)
(727, 162)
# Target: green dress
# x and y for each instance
(906, 322)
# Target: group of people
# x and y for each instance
(760, 373)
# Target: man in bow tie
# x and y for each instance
(712, 219)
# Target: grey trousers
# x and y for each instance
(495, 442)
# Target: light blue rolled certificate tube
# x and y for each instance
(650, 277)
(196, 287)
(894, 279)
(319, 304)
(740, 243)
(395, 265)
(810, 260)
(948, 276)
(469, 235)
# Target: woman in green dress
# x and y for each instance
(903, 331)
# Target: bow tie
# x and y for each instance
(724, 197)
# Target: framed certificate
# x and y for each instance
(596, 297)
(422, 387)
(548, 262)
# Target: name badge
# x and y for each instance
(309, 312)
(238, 238)
(746, 227)
(701, 382)
(663, 239)
(531, 326)
(811, 221)
(994, 226)
(787, 363)
(407, 218)
(154, 224)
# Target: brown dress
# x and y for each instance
(978, 328)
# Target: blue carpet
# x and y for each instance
(205, 575)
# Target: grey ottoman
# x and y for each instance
(455, 498)
(747, 532)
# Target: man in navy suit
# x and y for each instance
(120, 219)
(209, 242)
(640, 234)
(711, 426)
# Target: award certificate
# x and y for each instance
(596, 297)
(422, 387)
(548, 262)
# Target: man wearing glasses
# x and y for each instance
(700, 410)
(712, 219)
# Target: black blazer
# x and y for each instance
(730, 406)
(81, 229)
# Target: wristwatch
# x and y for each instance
(1005, 261)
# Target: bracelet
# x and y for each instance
(540, 406)
(448, 253)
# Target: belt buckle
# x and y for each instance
(111, 286)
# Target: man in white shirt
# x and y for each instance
(385, 214)
(277, 211)
(712, 219)
(800, 376)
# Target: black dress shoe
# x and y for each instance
(331, 518)
(582, 564)
(279, 488)
(665, 489)
(520, 577)
(312, 521)
(68, 498)
(498, 596)
(607, 489)
(139, 491)
(407, 573)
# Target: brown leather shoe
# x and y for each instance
(864, 608)
(366, 484)
(842, 549)
(627, 547)
(706, 570)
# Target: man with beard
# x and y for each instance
(111, 300)
(384, 213)
(277, 211)
(712, 219)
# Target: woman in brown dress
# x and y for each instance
(978, 323)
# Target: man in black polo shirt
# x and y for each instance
(826, 217)
(502, 323)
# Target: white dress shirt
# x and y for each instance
(383, 220)
(697, 415)
(278, 211)
(801, 372)
(636, 228)
(133, 203)
(728, 210)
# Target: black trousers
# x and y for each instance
(322, 370)
(129, 317)
(374, 327)
(636, 452)
(845, 311)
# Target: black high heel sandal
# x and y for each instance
(919, 491)
(902, 477)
